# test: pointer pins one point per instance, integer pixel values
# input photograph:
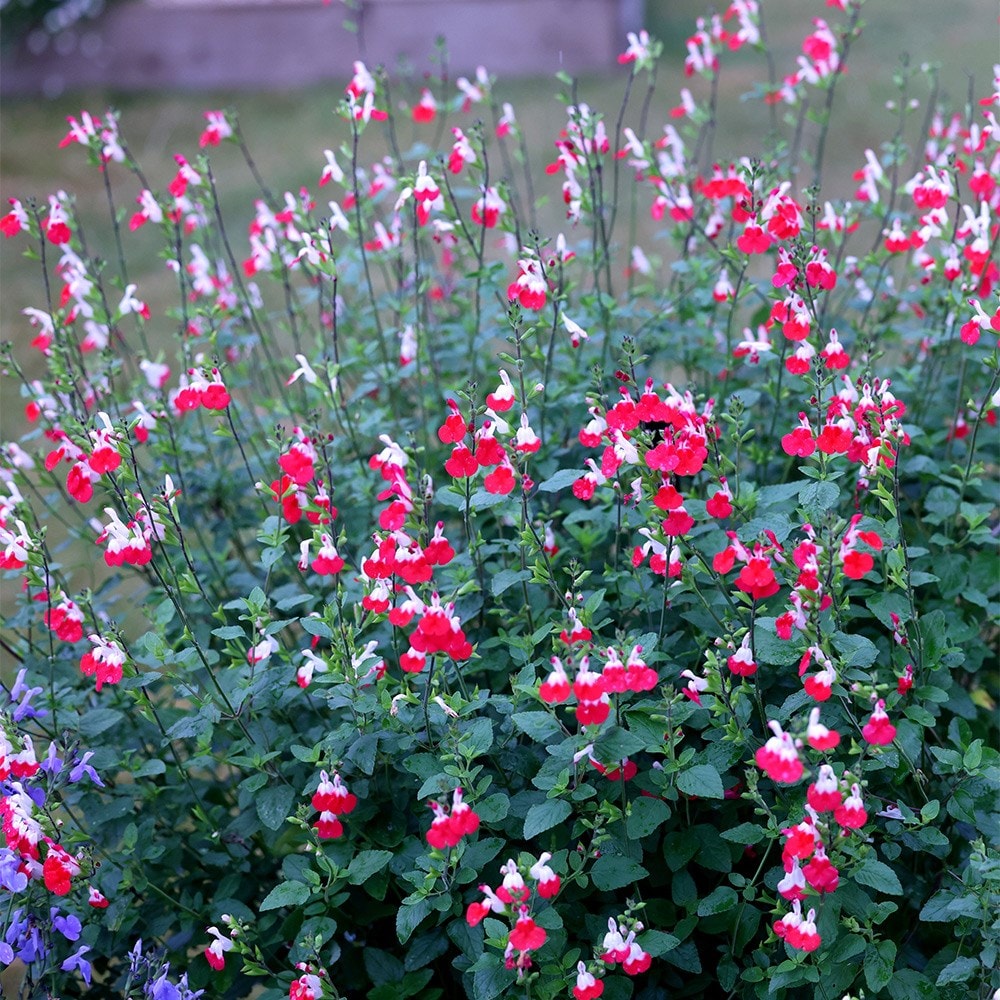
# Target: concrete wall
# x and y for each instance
(154, 44)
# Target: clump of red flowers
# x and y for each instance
(448, 828)
(333, 800)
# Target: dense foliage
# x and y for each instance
(481, 610)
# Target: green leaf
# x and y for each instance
(616, 744)
(366, 864)
(99, 720)
(958, 971)
(149, 768)
(936, 909)
(930, 810)
(769, 649)
(362, 753)
(229, 632)
(745, 833)
(718, 901)
(424, 950)
(483, 500)
(645, 815)
(612, 871)
(539, 726)
(507, 578)
(908, 984)
(817, 498)
(477, 738)
(879, 960)
(770, 495)
(316, 626)
(679, 847)
(879, 876)
(702, 781)
(559, 481)
(491, 980)
(409, 917)
(657, 943)
(973, 756)
(384, 969)
(855, 650)
(545, 815)
(274, 805)
(286, 894)
(493, 808)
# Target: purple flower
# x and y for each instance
(161, 988)
(24, 710)
(23, 937)
(52, 764)
(134, 958)
(81, 768)
(77, 961)
(69, 926)
(10, 878)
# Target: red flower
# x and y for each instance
(820, 873)
(448, 829)
(878, 730)
(720, 504)
(489, 451)
(556, 687)
(454, 428)
(426, 108)
(783, 625)
(638, 960)
(438, 551)
(779, 758)
(462, 463)
(527, 935)
(678, 523)
(104, 662)
(15, 220)
(851, 814)
(97, 899)
(333, 796)
(297, 463)
(500, 480)
(59, 870)
(799, 441)
(587, 986)
(327, 560)
(529, 287)
(80, 482)
(757, 578)
(548, 882)
(502, 398)
(905, 682)
(216, 951)
(817, 735)
(741, 663)
(66, 620)
(753, 239)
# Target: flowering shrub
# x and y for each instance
(484, 611)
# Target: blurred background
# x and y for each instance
(282, 66)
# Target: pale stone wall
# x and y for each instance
(154, 44)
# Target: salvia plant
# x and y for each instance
(486, 610)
